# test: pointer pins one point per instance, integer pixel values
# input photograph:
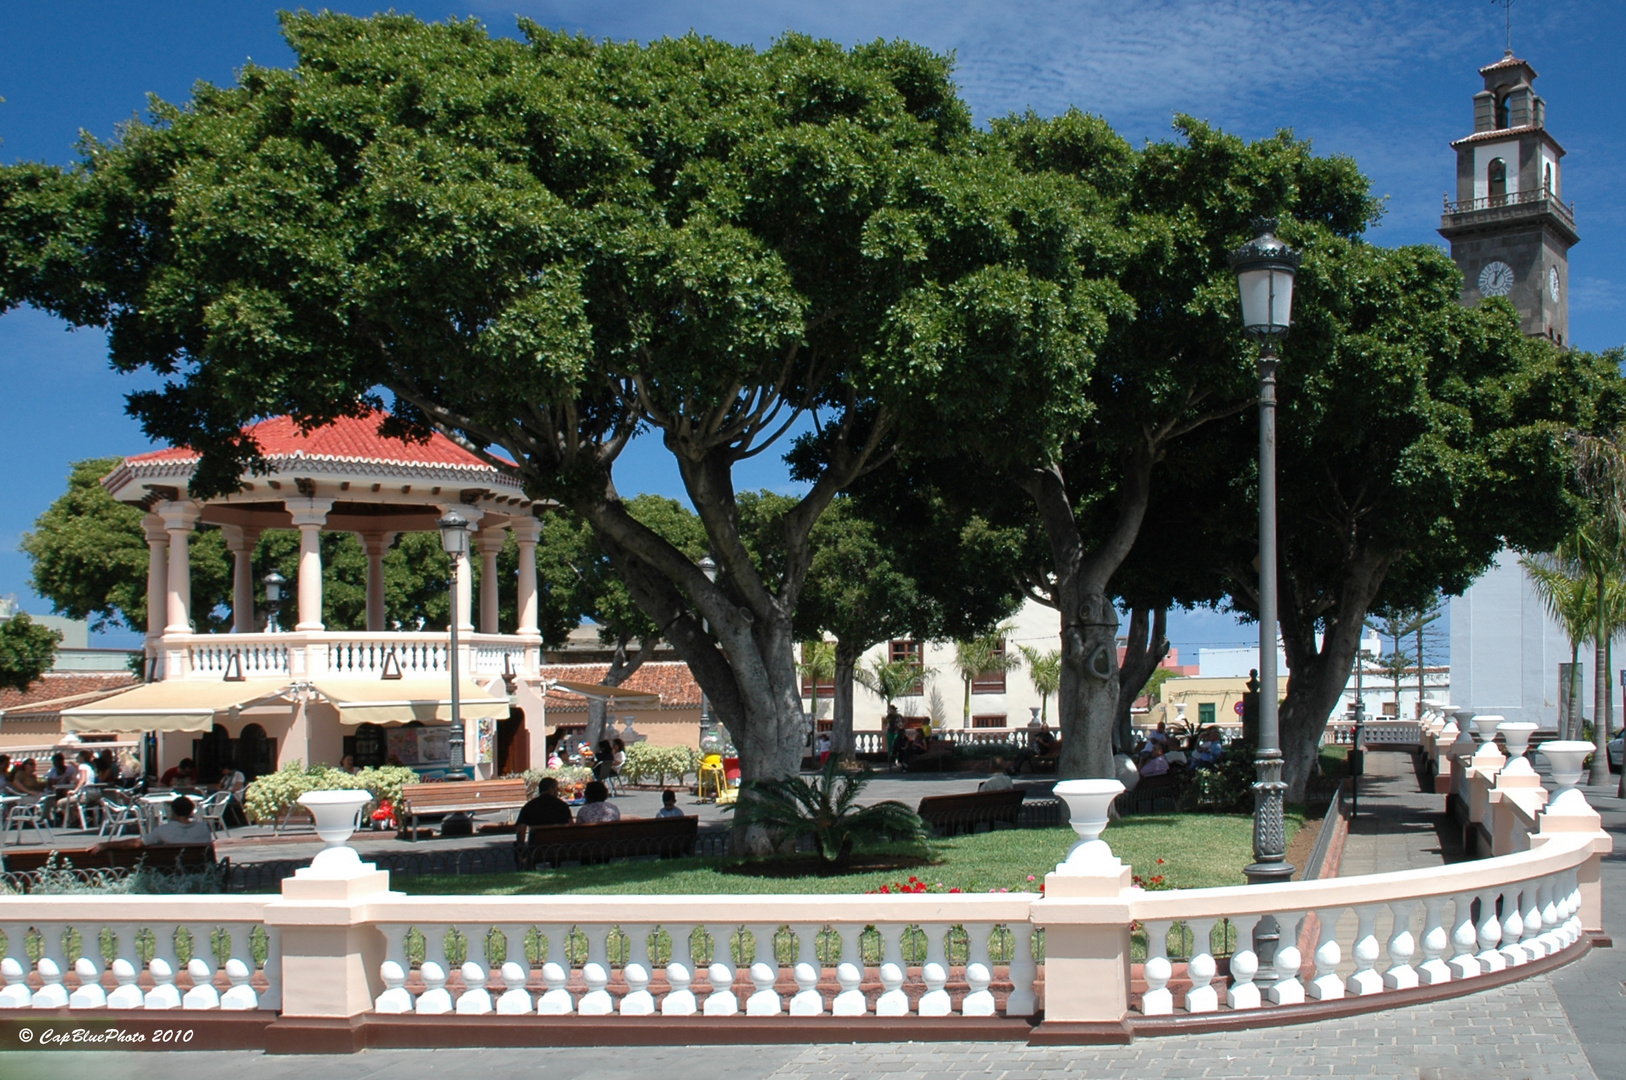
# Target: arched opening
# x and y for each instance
(1501, 112)
(256, 754)
(1496, 179)
(1547, 178)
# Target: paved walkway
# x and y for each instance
(1397, 827)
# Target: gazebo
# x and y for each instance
(261, 695)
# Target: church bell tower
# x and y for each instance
(1510, 231)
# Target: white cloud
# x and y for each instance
(1597, 294)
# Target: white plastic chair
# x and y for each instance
(213, 811)
(119, 813)
(28, 815)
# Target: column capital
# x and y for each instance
(377, 543)
(489, 541)
(526, 530)
(307, 511)
(239, 537)
(181, 514)
(157, 533)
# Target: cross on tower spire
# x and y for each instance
(1507, 18)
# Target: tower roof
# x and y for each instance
(349, 439)
(1507, 62)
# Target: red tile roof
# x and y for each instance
(346, 439)
(1507, 61)
(671, 680)
(52, 685)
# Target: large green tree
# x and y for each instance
(1417, 438)
(545, 246)
(27, 651)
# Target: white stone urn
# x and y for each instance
(1516, 733)
(1127, 772)
(1089, 803)
(337, 814)
(1566, 758)
(1486, 724)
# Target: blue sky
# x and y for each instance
(1387, 82)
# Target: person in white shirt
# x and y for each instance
(181, 828)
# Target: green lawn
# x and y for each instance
(1196, 851)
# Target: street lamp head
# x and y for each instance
(273, 583)
(454, 533)
(1264, 269)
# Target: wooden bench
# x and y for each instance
(469, 797)
(1163, 792)
(127, 853)
(601, 841)
(951, 814)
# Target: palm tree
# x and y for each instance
(1044, 672)
(1599, 546)
(891, 679)
(818, 665)
(981, 657)
(1567, 595)
(826, 809)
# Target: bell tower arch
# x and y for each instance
(1509, 228)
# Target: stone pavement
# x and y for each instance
(1397, 827)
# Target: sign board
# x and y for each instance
(1237, 708)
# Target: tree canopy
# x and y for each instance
(27, 651)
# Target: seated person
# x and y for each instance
(59, 774)
(603, 760)
(348, 764)
(598, 806)
(183, 775)
(618, 756)
(1210, 748)
(5, 775)
(1156, 765)
(1042, 743)
(669, 807)
(546, 809)
(25, 779)
(181, 828)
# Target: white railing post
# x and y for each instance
(1158, 999)
(1202, 997)
(1327, 986)
(1243, 993)
(1402, 946)
(1436, 940)
(1365, 980)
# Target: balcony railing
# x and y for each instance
(1516, 198)
(303, 655)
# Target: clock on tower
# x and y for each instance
(1510, 232)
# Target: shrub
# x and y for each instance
(268, 797)
(646, 763)
(1227, 785)
(825, 810)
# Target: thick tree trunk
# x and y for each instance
(841, 728)
(1088, 698)
(1145, 647)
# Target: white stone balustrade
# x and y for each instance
(314, 653)
(76, 946)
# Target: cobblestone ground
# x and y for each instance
(1517, 1031)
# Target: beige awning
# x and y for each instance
(618, 694)
(401, 701)
(175, 705)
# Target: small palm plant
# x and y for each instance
(825, 809)
(1044, 671)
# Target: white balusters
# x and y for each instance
(555, 1000)
(1530, 940)
(241, 996)
(1436, 940)
(435, 1000)
(680, 1000)
(1243, 993)
(1402, 946)
(127, 994)
(1552, 935)
(1023, 971)
(850, 1001)
(1327, 986)
(395, 999)
(203, 994)
(16, 994)
(51, 994)
(764, 973)
(893, 1001)
(596, 974)
(979, 972)
(90, 994)
(721, 1001)
(1202, 997)
(475, 1000)
(1365, 980)
(1490, 932)
(1287, 989)
(1512, 928)
(1158, 1000)
(808, 1001)
(163, 994)
(637, 1001)
(515, 1000)
(1464, 939)
(934, 973)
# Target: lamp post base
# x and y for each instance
(1269, 828)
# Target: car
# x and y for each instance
(1617, 750)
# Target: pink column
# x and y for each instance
(309, 515)
(179, 518)
(489, 544)
(526, 532)
(375, 544)
(157, 574)
(240, 542)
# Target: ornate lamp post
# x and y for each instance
(274, 584)
(1264, 269)
(454, 537)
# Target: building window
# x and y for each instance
(1547, 178)
(826, 688)
(994, 682)
(1390, 709)
(907, 651)
(1496, 179)
(1205, 713)
(988, 721)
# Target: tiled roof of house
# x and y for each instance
(346, 439)
(53, 686)
(672, 681)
